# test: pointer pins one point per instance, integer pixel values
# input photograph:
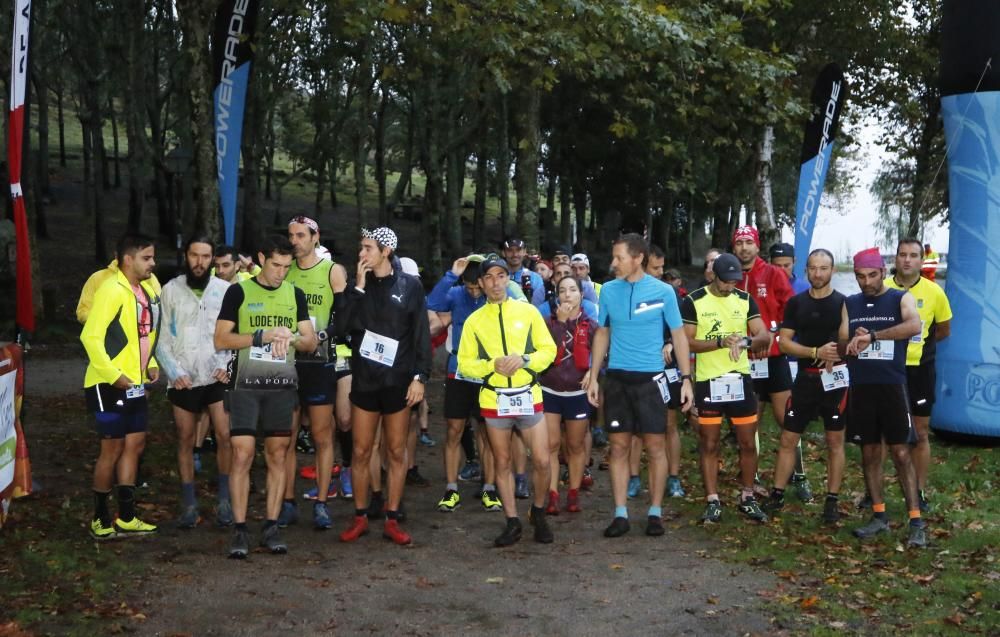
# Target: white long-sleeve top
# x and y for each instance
(186, 345)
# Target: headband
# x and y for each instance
(383, 236)
(306, 221)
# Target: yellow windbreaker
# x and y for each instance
(111, 333)
(499, 329)
(95, 281)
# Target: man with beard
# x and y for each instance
(226, 264)
(514, 252)
(319, 279)
(196, 372)
(770, 289)
(120, 337)
(809, 333)
(876, 327)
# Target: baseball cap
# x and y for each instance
(562, 249)
(727, 268)
(782, 250)
(495, 262)
(514, 243)
(409, 266)
(580, 257)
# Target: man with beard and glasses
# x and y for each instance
(196, 372)
(809, 333)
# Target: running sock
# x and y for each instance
(621, 512)
(126, 502)
(655, 512)
(489, 487)
(879, 510)
(346, 441)
(223, 486)
(915, 519)
(241, 526)
(633, 477)
(187, 494)
(537, 513)
(712, 497)
(520, 476)
(469, 444)
(101, 511)
(832, 496)
(673, 477)
(777, 494)
(746, 492)
(392, 515)
(451, 486)
(361, 513)
(269, 523)
(290, 501)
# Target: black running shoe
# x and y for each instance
(414, 479)
(654, 526)
(831, 512)
(543, 534)
(617, 528)
(511, 533)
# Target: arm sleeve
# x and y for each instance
(470, 363)
(167, 338)
(440, 298)
(106, 306)
(301, 306)
(753, 311)
(688, 312)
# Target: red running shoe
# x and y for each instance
(588, 480)
(392, 531)
(358, 528)
(309, 472)
(553, 507)
(573, 501)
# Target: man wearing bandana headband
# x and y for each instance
(385, 316)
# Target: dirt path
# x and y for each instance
(450, 581)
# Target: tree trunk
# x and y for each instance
(196, 20)
(503, 166)
(549, 215)
(320, 189)
(479, 212)
(114, 141)
(565, 212)
(407, 168)
(453, 203)
(383, 213)
(62, 128)
(580, 204)
(332, 170)
(924, 170)
(764, 204)
(40, 160)
(135, 103)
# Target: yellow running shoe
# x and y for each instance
(100, 532)
(491, 501)
(450, 501)
(135, 526)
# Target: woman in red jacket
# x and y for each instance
(562, 393)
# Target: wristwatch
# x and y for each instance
(421, 378)
(685, 376)
(747, 341)
(525, 358)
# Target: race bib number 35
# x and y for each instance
(379, 349)
(879, 351)
(836, 378)
(519, 404)
(726, 389)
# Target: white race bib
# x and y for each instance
(879, 351)
(758, 368)
(264, 354)
(135, 391)
(662, 384)
(727, 388)
(342, 365)
(837, 378)
(460, 376)
(519, 404)
(379, 349)
(673, 375)
(793, 367)
(919, 336)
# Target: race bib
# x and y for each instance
(135, 391)
(758, 368)
(673, 375)
(726, 389)
(519, 404)
(919, 336)
(264, 354)
(879, 351)
(342, 365)
(793, 367)
(837, 378)
(662, 384)
(379, 349)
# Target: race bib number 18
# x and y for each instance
(879, 351)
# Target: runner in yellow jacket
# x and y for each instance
(95, 281)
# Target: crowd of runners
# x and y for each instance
(546, 360)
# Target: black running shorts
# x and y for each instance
(196, 399)
(877, 413)
(920, 380)
(387, 400)
(633, 403)
(317, 383)
(739, 412)
(461, 399)
(809, 401)
(779, 378)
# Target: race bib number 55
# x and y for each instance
(519, 404)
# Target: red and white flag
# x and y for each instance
(18, 80)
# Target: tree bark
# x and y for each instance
(114, 142)
(380, 115)
(482, 186)
(453, 203)
(764, 204)
(406, 169)
(62, 127)
(565, 212)
(527, 123)
(135, 102)
(196, 20)
(503, 166)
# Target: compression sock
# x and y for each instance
(101, 511)
(346, 441)
(187, 494)
(879, 510)
(223, 486)
(126, 502)
(621, 512)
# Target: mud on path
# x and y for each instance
(449, 581)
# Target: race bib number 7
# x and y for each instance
(726, 389)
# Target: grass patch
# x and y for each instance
(835, 583)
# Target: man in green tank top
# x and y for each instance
(319, 279)
(266, 321)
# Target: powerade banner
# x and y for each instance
(968, 363)
(232, 52)
(25, 313)
(827, 100)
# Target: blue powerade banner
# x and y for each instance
(968, 363)
(232, 54)
(817, 146)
